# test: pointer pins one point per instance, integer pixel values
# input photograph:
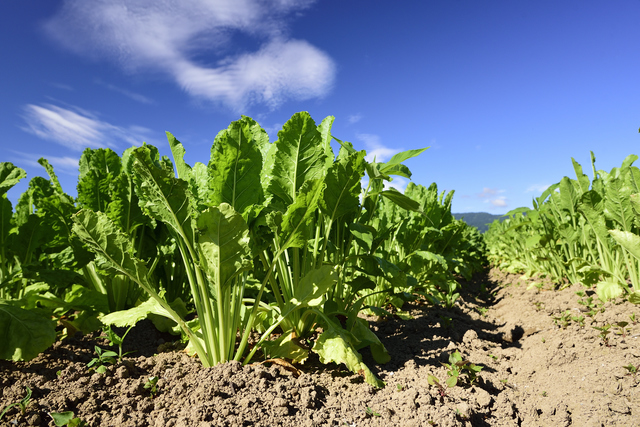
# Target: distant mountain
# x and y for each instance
(480, 220)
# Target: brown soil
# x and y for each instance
(535, 373)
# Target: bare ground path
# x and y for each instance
(536, 371)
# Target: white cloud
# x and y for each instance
(537, 188)
(375, 149)
(490, 195)
(78, 129)
(354, 118)
(167, 36)
(499, 202)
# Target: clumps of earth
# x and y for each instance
(549, 358)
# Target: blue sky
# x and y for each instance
(504, 92)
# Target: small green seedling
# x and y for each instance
(152, 386)
(66, 419)
(579, 320)
(493, 357)
(633, 319)
(434, 381)
(622, 329)
(456, 366)
(104, 358)
(539, 305)
(400, 387)
(604, 331)
(563, 320)
(114, 339)
(22, 404)
(633, 370)
(482, 310)
(543, 394)
(371, 413)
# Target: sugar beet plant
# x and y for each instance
(579, 231)
(260, 216)
(263, 236)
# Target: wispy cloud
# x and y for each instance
(375, 149)
(168, 35)
(135, 96)
(66, 165)
(78, 129)
(491, 196)
(62, 86)
(354, 118)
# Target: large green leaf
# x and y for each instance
(338, 345)
(617, 205)
(314, 285)
(583, 179)
(236, 165)
(296, 222)
(296, 157)
(628, 240)
(98, 169)
(133, 315)
(6, 212)
(113, 247)
(391, 166)
(342, 193)
(10, 175)
(223, 243)
(23, 333)
(163, 196)
(400, 199)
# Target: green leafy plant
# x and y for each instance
(579, 320)
(563, 320)
(116, 340)
(434, 381)
(371, 413)
(633, 319)
(622, 328)
(632, 369)
(458, 366)
(152, 385)
(104, 358)
(604, 332)
(67, 419)
(22, 403)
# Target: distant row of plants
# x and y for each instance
(265, 237)
(579, 231)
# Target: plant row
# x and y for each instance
(579, 231)
(266, 239)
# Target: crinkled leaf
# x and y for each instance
(10, 175)
(236, 165)
(163, 196)
(366, 337)
(133, 315)
(343, 186)
(298, 156)
(314, 285)
(337, 345)
(608, 290)
(285, 347)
